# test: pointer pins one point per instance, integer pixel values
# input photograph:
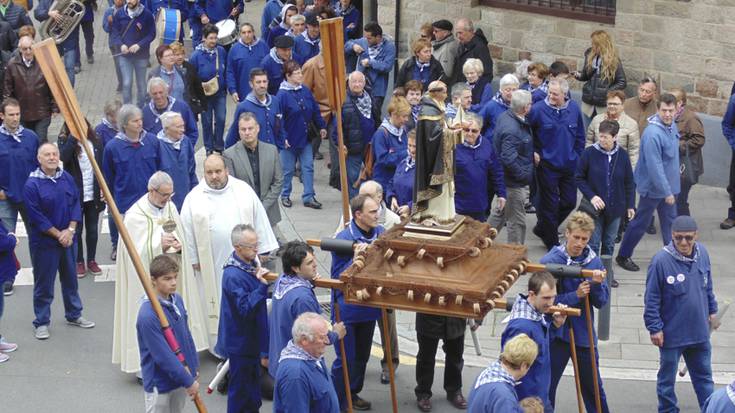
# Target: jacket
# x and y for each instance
(691, 136)
(17, 16)
(180, 164)
(8, 37)
(299, 109)
(595, 88)
(69, 149)
(476, 48)
(8, 267)
(194, 94)
(268, 115)
(388, 151)
(355, 126)
(152, 122)
(679, 296)
(616, 188)
(558, 134)
(490, 112)
(274, 70)
(629, 137)
(379, 68)
(241, 59)
(127, 167)
(315, 78)
(514, 142)
(477, 169)
(29, 87)
(657, 172)
(50, 203)
(17, 161)
(142, 31)
(271, 10)
(639, 112)
(304, 387)
(408, 71)
(205, 63)
(494, 391)
(446, 51)
(482, 92)
(305, 47)
(177, 87)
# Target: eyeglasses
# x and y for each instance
(169, 195)
(471, 130)
(613, 104)
(253, 246)
(687, 238)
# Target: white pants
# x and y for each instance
(171, 402)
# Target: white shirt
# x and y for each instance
(87, 175)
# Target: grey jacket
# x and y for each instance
(446, 51)
(271, 174)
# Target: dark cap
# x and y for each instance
(684, 223)
(283, 42)
(443, 24)
(311, 20)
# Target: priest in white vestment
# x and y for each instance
(210, 211)
(155, 228)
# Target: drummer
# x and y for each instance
(206, 12)
(245, 55)
(181, 5)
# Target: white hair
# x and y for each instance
(238, 231)
(519, 100)
(156, 81)
(509, 79)
(562, 83)
(303, 327)
(371, 188)
(158, 179)
(473, 64)
(126, 113)
(167, 118)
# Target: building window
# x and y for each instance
(601, 11)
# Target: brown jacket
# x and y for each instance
(29, 87)
(639, 112)
(315, 78)
(691, 134)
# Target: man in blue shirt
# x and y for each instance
(374, 56)
(132, 31)
(272, 63)
(263, 105)
(161, 102)
(244, 56)
(679, 313)
(54, 211)
(657, 179)
(359, 320)
(176, 156)
(207, 11)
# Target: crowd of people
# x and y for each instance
(527, 148)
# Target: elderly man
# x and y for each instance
(25, 82)
(445, 47)
(155, 228)
(680, 309)
(207, 216)
(514, 142)
(374, 56)
(461, 98)
(263, 105)
(134, 45)
(657, 180)
(161, 102)
(128, 161)
(272, 63)
(472, 44)
(244, 56)
(243, 326)
(302, 382)
(52, 201)
(177, 156)
(559, 141)
(499, 104)
(293, 295)
(258, 164)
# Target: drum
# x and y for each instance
(227, 33)
(168, 25)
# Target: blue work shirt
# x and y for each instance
(178, 161)
(51, 202)
(558, 133)
(475, 166)
(127, 166)
(17, 160)
(241, 59)
(267, 114)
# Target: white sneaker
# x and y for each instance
(4, 357)
(6, 347)
(81, 322)
(42, 332)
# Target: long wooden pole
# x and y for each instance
(345, 373)
(593, 358)
(389, 359)
(577, 384)
(50, 63)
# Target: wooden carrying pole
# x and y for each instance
(593, 353)
(575, 365)
(48, 58)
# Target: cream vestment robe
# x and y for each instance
(145, 225)
(208, 216)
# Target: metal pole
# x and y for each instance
(603, 328)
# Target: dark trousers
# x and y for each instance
(114, 234)
(731, 188)
(358, 342)
(90, 217)
(682, 200)
(637, 227)
(425, 360)
(243, 390)
(46, 263)
(88, 30)
(40, 127)
(560, 355)
(378, 103)
(557, 199)
(392, 338)
(698, 358)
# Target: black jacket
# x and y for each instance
(436, 326)
(594, 91)
(476, 48)
(68, 154)
(405, 73)
(513, 140)
(352, 128)
(194, 94)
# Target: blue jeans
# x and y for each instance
(560, 355)
(354, 162)
(288, 163)
(128, 66)
(70, 59)
(215, 110)
(45, 266)
(698, 360)
(606, 228)
(639, 224)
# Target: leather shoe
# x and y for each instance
(358, 403)
(424, 404)
(313, 204)
(614, 284)
(384, 377)
(286, 202)
(728, 223)
(458, 401)
(627, 263)
(651, 229)
(318, 156)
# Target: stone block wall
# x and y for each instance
(685, 43)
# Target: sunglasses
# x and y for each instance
(687, 238)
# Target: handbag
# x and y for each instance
(211, 86)
(689, 173)
(585, 205)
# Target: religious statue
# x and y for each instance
(433, 191)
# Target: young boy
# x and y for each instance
(165, 380)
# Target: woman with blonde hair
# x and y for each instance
(602, 72)
(481, 89)
(390, 141)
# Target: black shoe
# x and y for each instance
(286, 202)
(313, 204)
(318, 156)
(458, 401)
(727, 223)
(90, 60)
(614, 284)
(224, 384)
(384, 377)
(358, 403)
(113, 254)
(627, 263)
(618, 238)
(530, 209)
(424, 404)
(651, 229)
(8, 289)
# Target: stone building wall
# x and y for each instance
(686, 43)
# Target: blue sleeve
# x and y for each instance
(193, 180)
(199, 8)
(629, 184)
(652, 299)
(580, 139)
(333, 337)
(487, 94)
(190, 123)
(150, 29)
(496, 170)
(655, 164)
(232, 133)
(348, 47)
(108, 168)
(295, 394)
(385, 63)
(245, 300)
(36, 218)
(381, 149)
(149, 331)
(116, 30)
(105, 20)
(230, 79)
(41, 11)
(76, 209)
(7, 243)
(728, 123)
(599, 293)
(711, 300)
(581, 176)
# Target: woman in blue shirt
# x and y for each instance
(209, 59)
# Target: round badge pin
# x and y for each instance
(681, 277)
(670, 279)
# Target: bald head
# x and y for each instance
(214, 160)
(464, 30)
(24, 45)
(215, 171)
